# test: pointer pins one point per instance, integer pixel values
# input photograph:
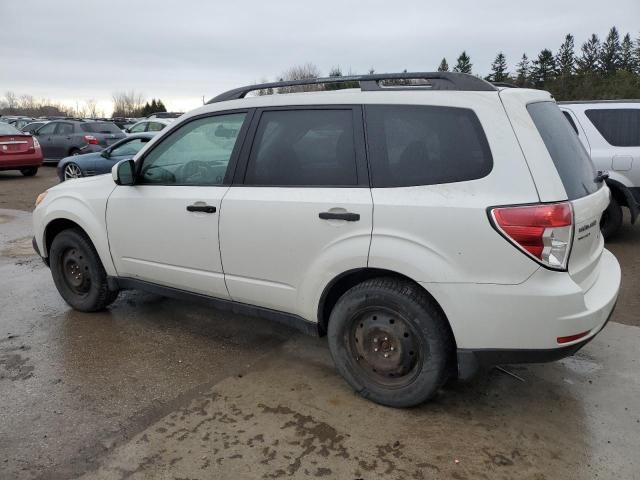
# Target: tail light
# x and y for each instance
(36, 143)
(543, 232)
(90, 140)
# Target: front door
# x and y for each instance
(300, 212)
(164, 229)
(45, 137)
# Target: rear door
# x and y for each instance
(300, 210)
(588, 197)
(62, 139)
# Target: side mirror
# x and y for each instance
(124, 172)
(35, 132)
(105, 153)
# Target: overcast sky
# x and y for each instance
(180, 50)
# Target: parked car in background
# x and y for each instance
(19, 151)
(21, 122)
(33, 126)
(154, 125)
(428, 230)
(124, 123)
(610, 131)
(97, 163)
(62, 138)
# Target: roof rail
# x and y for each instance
(504, 84)
(435, 81)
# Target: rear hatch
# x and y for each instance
(14, 146)
(588, 196)
(106, 133)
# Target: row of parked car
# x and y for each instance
(80, 147)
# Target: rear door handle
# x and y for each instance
(348, 216)
(201, 208)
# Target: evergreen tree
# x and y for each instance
(523, 70)
(463, 64)
(499, 69)
(589, 61)
(636, 56)
(565, 60)
(160, 106)
(544, 68)
(444, 66)
(610, 52)
(626, 55)
(154, 106)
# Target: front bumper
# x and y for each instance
(37, 250)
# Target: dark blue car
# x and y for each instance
(101, 162)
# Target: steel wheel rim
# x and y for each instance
(75, 271)
(72, 171)
(384, 347)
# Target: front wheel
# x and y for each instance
(611, 220)
(71, 171)
(78, 272)
(29, 172)
(390, 342)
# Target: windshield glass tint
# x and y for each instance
(569, 156)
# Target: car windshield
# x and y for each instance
(6, 129)
(101, 127)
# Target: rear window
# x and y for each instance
(425, 145)
(569, 156)
(101, 127)
(6, 129)
(620, 127)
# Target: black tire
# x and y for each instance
(390, 342)
(78, 272)
(611, 220)
(29, 172)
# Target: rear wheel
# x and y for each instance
(78, 272)
(390, 342)
(611, 220)
(29, 172)
(72, 170)
(74, 151)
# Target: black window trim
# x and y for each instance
(413, 105)
(362, 167)
(170, 129)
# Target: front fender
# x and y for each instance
(621, 192)
(68, 207)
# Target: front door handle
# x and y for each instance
(348, 216)
(201, 208)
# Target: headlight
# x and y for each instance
(40, 198)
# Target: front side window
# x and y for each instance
(139, 127)
(197, 153)
(620, 127)
(48, 129)
(155, 126)
(425, 145)
(129, 148)
(303, 148)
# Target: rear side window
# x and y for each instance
(425, 145)
(101, 127)
(303, 147)
(620, 127)
(569, 156)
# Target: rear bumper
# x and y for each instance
(15, 162)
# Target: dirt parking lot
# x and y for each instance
(156, 388)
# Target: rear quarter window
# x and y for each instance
(569, 155)
(101, 127)
(425, 145)
(620, 127)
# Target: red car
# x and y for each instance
(19, 151)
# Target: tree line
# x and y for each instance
(606, 69)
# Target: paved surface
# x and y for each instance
(157, 388)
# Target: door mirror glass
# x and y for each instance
(123, 172)
(105, 153)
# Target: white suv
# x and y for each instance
(429, 229)
(610, 131)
